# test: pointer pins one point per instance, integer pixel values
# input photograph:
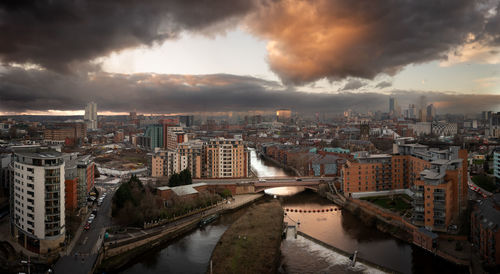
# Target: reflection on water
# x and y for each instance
(189, 254)
(345, 231)
(263, 169)
(284, 191)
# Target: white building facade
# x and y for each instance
(37, 199)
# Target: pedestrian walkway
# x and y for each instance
(238, 201)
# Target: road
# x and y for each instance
(84, 253)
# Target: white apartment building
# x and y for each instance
(37, 199)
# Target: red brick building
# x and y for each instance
(71, 196)
(485, 229)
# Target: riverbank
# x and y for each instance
(397, 226)
(252, 243)
(116, 254)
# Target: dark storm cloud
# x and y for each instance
(335, 39)
(24, 91)
(61, 34)
(353, 84)
(309, 40)
(383, 84)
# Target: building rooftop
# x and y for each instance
(183, 190)
(431, 174)
(38, 153)
(489, 210)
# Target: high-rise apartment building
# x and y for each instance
(164, 163)
(437, 177)
(175, 135)
(90, 117)
(37, 199)
(166, 123)
(190, 156)
(226, 158)
(218, 158)
(393, 107)
(155, 134)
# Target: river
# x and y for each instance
(191, 253)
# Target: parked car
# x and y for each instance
(87, 226)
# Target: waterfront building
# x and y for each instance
(218, 158)
(226, 158)
(90, 117)
(190, 157)
(437, 177)
(485, 229)
(37, 199)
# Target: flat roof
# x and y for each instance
(183, 190)
(432, 175)
(49, 153)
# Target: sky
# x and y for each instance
(248, 55)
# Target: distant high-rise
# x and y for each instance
(283, 115)
(91, 115)
(411, 112)
(155, 133)
(431, 112)
(186, 120)
(392, 105)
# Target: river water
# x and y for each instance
(191, 253)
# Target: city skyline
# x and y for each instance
(244, 56)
